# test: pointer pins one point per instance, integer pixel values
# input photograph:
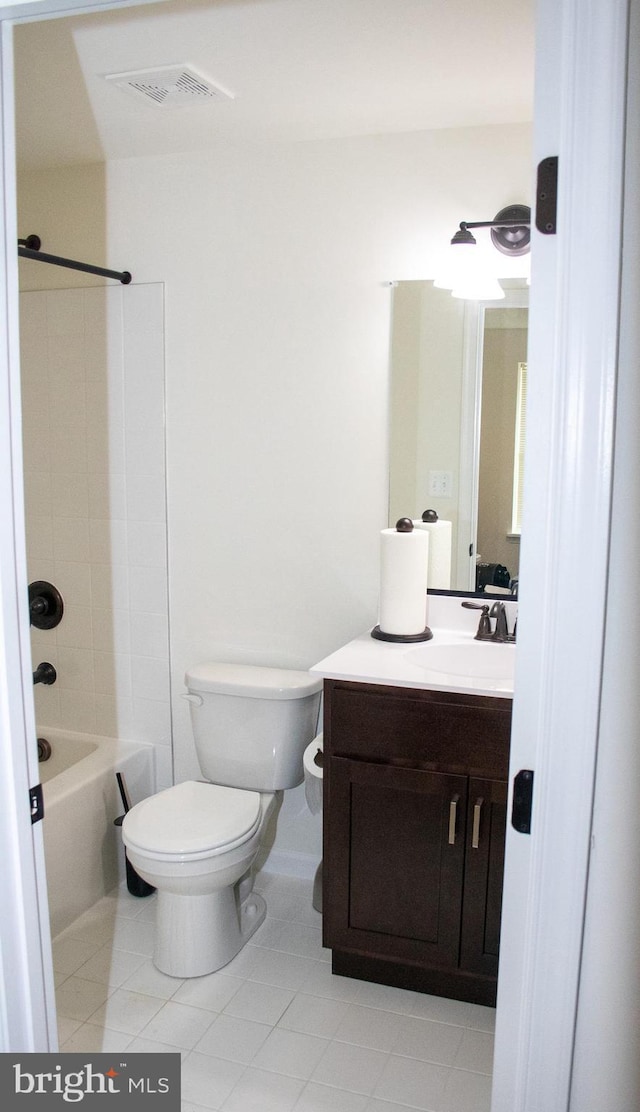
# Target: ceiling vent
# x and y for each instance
(169, 86)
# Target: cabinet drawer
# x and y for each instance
(423, 729)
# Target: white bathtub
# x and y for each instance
(83, 849)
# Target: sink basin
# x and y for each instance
(480, 660)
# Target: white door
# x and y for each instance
(573, 330)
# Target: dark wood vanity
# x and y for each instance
(415, 792)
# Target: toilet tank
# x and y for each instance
(251, 725)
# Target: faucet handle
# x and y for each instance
(484, 625)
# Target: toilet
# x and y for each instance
(196, 842)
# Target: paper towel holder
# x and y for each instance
(380, 635)
(404, 525)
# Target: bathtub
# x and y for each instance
(83, 849)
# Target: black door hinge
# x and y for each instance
(547, 195)
(36, 803)
(522, 801)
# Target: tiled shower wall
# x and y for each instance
(94, 458)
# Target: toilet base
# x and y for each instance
(197, 934)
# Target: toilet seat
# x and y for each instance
(192, 820)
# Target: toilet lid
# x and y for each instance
(192, 818)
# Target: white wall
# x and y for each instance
(92, 379)
(275, 261)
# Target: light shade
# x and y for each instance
(466, 272)
(457, 260)
(478, 287)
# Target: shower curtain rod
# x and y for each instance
(29, 248)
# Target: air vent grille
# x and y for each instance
(169, 87)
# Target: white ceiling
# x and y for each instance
(297, 69)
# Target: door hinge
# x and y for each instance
(522, 801)
(36, 803)
(547, 195)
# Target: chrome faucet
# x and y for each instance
(500, 632)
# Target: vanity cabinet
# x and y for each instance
(415, 791)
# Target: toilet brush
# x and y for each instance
(135, 884)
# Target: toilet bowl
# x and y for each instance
(196, 842)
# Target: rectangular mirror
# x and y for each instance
(458, 423)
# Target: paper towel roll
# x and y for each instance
(313, 776)
(403, 581)
(439, 566)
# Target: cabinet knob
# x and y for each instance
(475, 832)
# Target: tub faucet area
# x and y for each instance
(45, 673)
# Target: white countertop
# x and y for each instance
(421, 664)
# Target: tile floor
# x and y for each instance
(274, 1031)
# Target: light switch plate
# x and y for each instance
(440, 484)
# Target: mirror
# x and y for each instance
(457, 425)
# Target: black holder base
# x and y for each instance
(135, 884)
(400, 638)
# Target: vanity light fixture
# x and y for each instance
(510, 230)
(464, 273)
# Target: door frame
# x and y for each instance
(581, 75)
(27, 1005)
(27, 1019)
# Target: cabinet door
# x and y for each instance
(394, 861)
(484, 868)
